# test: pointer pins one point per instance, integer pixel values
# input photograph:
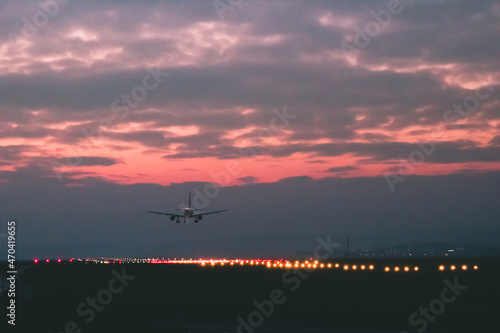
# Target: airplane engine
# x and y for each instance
(172, 218)
(199, 217)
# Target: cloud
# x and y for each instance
(342, 169)
(248, 180)
(90, 160)
(58, 89)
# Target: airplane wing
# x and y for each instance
(208, 213)
(168, 214)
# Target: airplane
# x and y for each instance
(187, 213)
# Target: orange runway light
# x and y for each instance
(464, 267)
(346, 267)
(371, 267)
(441, 268)
(354, 267)
(387, 269)
(452, 267)
(416, 268)
(407, 269)
(363, 267)
(329, 265)
(396, 269)
(337, 265)
(475, 267)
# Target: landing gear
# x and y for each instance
(177, 221)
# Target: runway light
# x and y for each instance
(363, 267)
(464, 267)
(35, 261)
(47, 261)
(441, 268)
(315, 262)
(416, 268)
(336, 265)
(407, 269)
(371, 267)
(322, 265)
(354, 267)
(396, 269)
(475, 267)
(452, 267)
(58, 260)
(387, 269)
(346, 267)
(302, 265)
(329, 265)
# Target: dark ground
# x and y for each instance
(191, 298)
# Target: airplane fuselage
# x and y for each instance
(187, 213)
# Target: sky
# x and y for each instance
(374, 120)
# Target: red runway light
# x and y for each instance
(35, 261)
(58, 260)
(47, 260)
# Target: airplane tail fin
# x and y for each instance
(189, 200)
